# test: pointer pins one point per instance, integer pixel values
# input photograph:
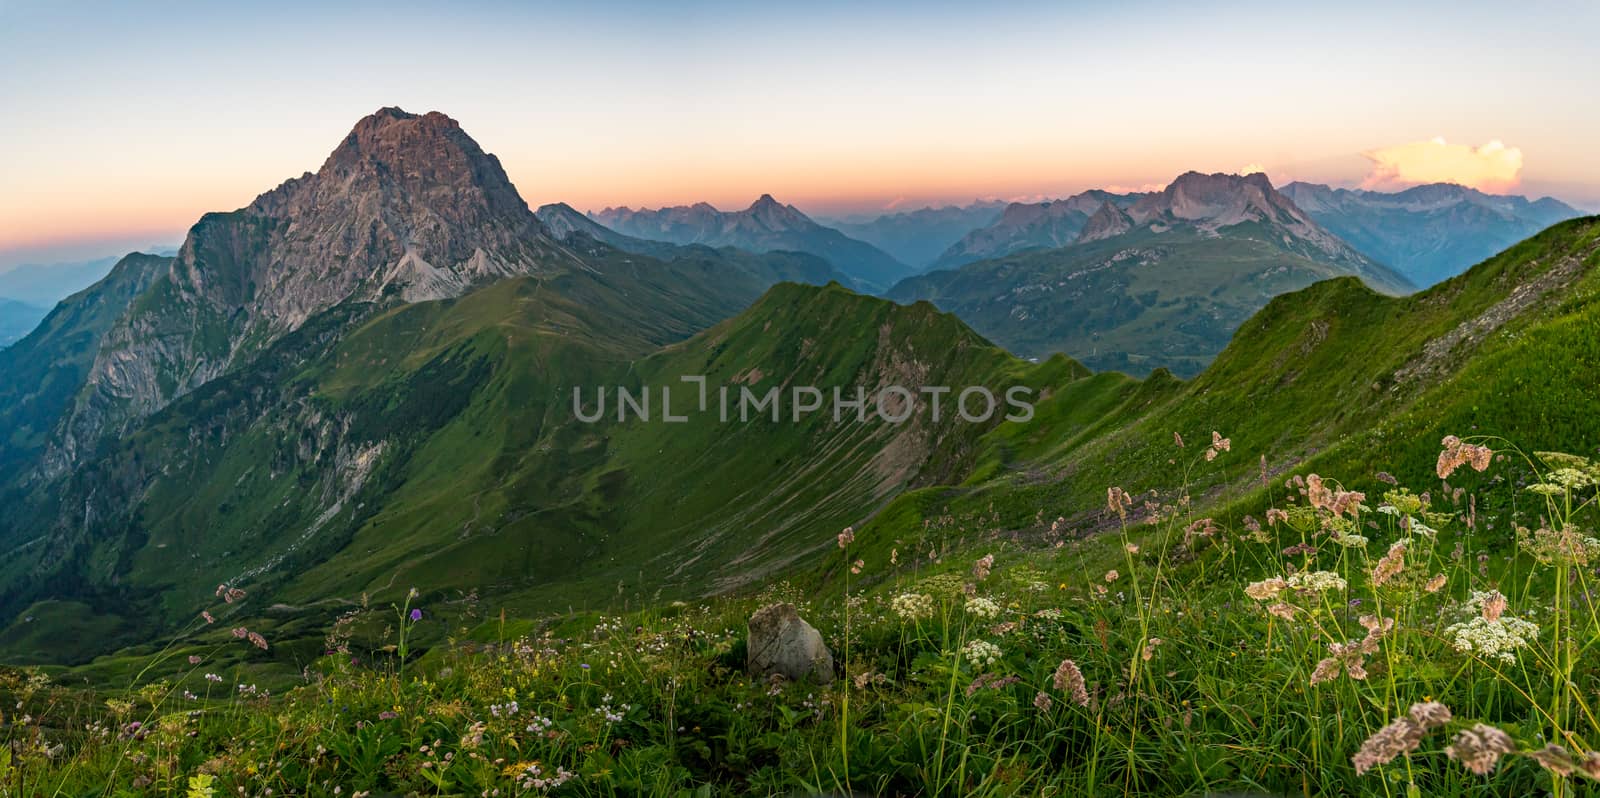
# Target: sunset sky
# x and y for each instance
(123, 125)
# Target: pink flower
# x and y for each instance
(847, 537)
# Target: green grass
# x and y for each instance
(1190, 685)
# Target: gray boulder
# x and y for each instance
(784, 644)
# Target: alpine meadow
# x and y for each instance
(1077, 409)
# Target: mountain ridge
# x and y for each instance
(1428, 232)
(766, 225)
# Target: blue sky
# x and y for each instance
(126, 121)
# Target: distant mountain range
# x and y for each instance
(1427, 233)
(43, 285)
(765, 226)
(1161, 283)
(362, 382)
(17, 319)
(572, 227)
(1035, 225)
(918, 237)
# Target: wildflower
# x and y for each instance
(1491, 604)
(982, 653)
(1499, 639)
(207, 617)
(1219, 444)
(1386, 478)
(257, 640)
(1390, 565)
(1112, 575)
(1150, 648)
(989, 681)
(1555, 759)
(1479, 748)
(1177, 440)
(1282, 610)
(1316, 581)
(912, 606)
(1343, 657)
(1401, 736)
(1569, 546)
(1351, 540)
(1118, 501)
(1347, 502)
(1591, 765)
(1266, 588)
(980, 569)
(1320, 496)
(194, 659)
(856, 566)
(847, 537)
(1251, 524)
(212, 677)
(240, 633)
(1131, 548)
(1042, 702)
(983, 609)
(1276, 516)
(1458, 453)
(388, 715)
(1068, 679)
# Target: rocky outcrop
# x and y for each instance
(1107, 221)
(407, 208)
(1030, 225)
(782, 643)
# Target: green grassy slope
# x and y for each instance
(1131, 303)
(1335, 379)
(45, 370)
(437, 448)
(434, 445)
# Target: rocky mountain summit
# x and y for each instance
(407, 208)
(1031, 225)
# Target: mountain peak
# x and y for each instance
(1107, 221)
(420, 152)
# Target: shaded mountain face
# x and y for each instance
(17, 319)
(434, 445)
(574, 229)
(407, 206)
(44, 373)
(919, 237)
(1427, 233)
(1162, 283)
(765, 226)
(1023, 226)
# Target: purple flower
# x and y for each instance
(416, 615)
(584, 666)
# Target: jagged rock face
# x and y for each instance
(1211, 202)
(407, 208)
(1029, 225)
(1107, 221)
